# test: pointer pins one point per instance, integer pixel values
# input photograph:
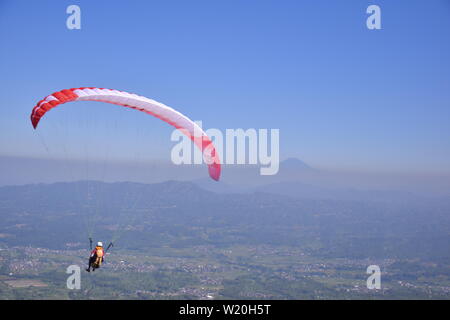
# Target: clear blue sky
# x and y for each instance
(341, 95)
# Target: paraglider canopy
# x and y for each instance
(140, 103)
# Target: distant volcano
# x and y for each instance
(294, 163)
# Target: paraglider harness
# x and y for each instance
(93, 262)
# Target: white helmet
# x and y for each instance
(99, 244)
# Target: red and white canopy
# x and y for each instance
(133, 101)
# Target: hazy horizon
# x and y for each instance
(236, 178)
